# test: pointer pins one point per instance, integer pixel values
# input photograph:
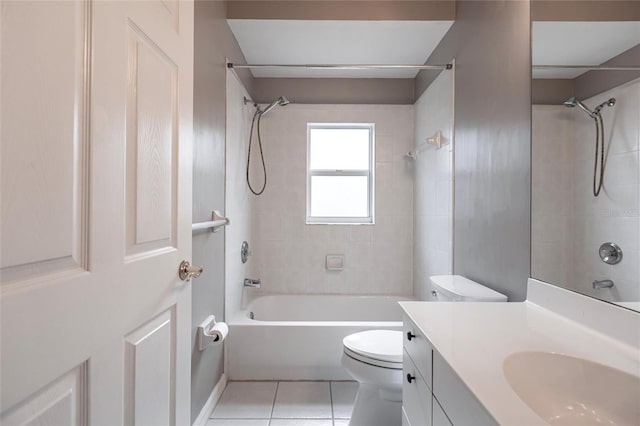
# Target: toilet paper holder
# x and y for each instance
(208, 335)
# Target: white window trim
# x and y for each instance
(331, 220)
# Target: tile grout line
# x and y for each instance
(333, 418)
(273, 406)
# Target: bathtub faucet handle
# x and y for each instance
(249, 282)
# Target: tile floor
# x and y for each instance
(285, 404)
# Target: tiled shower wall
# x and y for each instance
(433, 186)
(239, 202)
(290, 255)
(552, 151)
(613, 216)
(566, 240)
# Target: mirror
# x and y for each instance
(585, 201)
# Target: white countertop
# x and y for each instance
(475, 338)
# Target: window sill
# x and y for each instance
(339, 223)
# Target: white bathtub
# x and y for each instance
(297, 337)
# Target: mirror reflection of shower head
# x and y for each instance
(611, 102)
(599, 163)
(573, 102)
(282, 101)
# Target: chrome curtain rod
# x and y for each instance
(586, 67)
(343, 66)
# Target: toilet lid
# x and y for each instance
(381, 345)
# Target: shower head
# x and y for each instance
(282, 101)
(573, 102)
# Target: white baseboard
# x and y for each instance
(206, 411)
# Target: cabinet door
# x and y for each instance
(416, 396)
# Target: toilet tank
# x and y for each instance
(456, 288)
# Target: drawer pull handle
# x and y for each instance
(410, 335)
(410, 378)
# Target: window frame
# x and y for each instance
(370, 174)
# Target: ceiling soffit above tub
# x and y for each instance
(583, 43)
(337, 42)
(330, 89)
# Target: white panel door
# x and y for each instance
(96, 133)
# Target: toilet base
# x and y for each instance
(370, 409)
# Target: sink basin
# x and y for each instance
(564, 390)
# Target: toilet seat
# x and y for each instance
(380, 348)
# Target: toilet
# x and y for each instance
(374, 357)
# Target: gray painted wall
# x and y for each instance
(208, 192)
(392, 91)
(213, 43)
(384, 10)
(493, 144)
(585, 10)
(594, 82)
(490, 42)
(551, 91)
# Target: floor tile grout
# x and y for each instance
(273, 405)
(333, 416)
(332, 420)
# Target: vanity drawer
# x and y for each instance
(439, 416)
(416, 396)
(419, 349)
(458, 402)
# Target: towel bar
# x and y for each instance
(217, 221)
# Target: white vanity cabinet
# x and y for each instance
(432, 393)
(457, 401)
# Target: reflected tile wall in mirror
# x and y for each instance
(568, 222)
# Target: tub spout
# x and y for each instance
(602, 284)
(248, 282)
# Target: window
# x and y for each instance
(340, 173)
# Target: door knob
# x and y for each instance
(186, 271)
